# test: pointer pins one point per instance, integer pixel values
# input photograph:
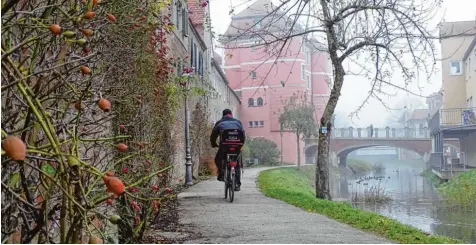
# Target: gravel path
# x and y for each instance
(255, 218)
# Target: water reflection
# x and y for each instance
(415, 201)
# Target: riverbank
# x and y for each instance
(295, 187)
(459, 192)
(433, 178)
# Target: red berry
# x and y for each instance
(111, 17)
(125, 170)
(122, 147)
(109, 201)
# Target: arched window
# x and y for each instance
(260, 101)
(251, 102)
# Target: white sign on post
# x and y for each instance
(324, 130)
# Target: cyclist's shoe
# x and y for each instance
(221, 178)
(237, 188)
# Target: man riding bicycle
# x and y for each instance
(226, 122)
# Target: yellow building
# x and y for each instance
(456, 117)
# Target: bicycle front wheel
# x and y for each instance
(231, 189)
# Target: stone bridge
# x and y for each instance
(347, 140)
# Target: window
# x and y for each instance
(260, 101)
(251, 102)
(308, 57)
(256, 124)
(455, 68)
(261, 124)
(250, 124)
(253, 49)
(184, 23)
(257, 24)
(303, 46)
(179, 23)
(303, 71)
(192, 53)
(197, 58)
(200, 63)
(308, 81)
(253, 75)
(470, 102)
(420, 129)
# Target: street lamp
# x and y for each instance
(188, 156)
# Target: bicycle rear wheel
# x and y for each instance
(231, 188)
(226, 183)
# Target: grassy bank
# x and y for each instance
(294, 187)
(433, 178)
(359, 166)
(461, 191)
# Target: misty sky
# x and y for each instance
(356, 88)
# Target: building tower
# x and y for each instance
(263, 77)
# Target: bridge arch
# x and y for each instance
(343, 146)
(347, 150)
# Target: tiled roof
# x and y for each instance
(196, 12)
(419, 114)
(462, 28)
(260, 10)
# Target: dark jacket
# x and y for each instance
(226, 122)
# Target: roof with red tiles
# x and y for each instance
(196, 11)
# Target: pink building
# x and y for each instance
(263, 77)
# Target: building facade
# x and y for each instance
(264, 79)
(456, 118)
(191, 44)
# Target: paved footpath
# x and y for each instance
(255, 218)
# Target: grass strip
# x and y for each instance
(293, 187)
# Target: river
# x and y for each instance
(415, 201)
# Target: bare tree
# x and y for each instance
(378, 39)
(298, 117)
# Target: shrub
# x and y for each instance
(378, 168)
(265, 150)
(461, 191)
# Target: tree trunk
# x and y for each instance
(281, 147)
(322, 168)
(298, 150)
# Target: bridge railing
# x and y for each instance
(445, 162)
(409, 133)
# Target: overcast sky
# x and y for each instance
(355, 88)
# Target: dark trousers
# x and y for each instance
(220, 159)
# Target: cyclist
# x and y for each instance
(226, 122)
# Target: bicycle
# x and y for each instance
(232, 140)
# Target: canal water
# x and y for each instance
(415, 201)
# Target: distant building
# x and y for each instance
(434, 102)
(263, 81)
(417, 123)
